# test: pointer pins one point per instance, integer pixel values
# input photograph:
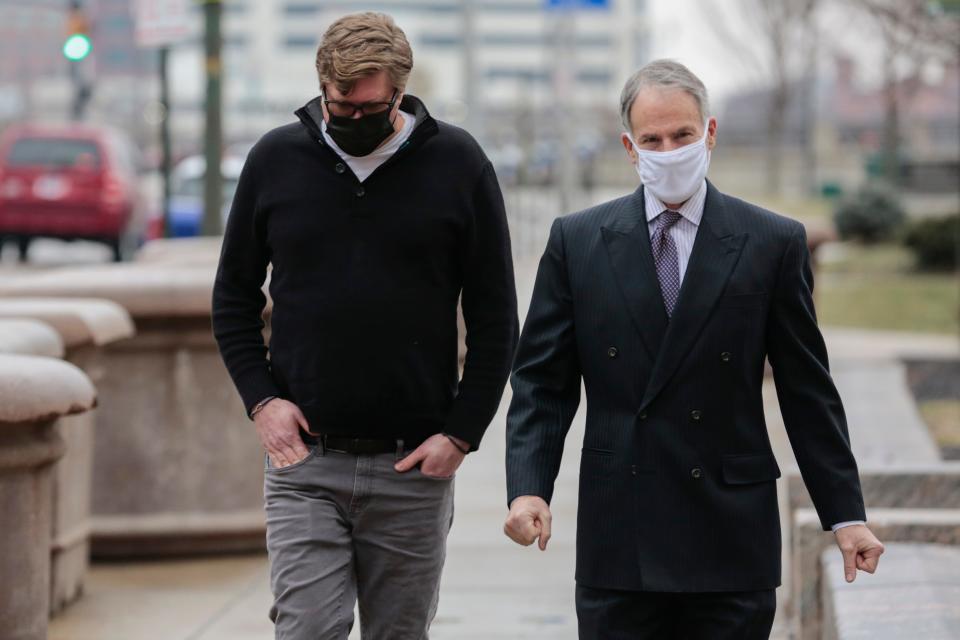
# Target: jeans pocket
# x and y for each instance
(269, 468)
(434, 478)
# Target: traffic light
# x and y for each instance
(77, 46)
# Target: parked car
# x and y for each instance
(71, 182)
(186, 196)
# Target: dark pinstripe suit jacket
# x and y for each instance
(677, 488)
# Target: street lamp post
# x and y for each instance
(213, 135)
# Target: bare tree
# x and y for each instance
(913, 33)
(785, 58)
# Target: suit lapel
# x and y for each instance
(714, 255)
(627, 239)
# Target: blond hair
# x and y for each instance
(361, 44)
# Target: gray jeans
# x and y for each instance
(343, 527)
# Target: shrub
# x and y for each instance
(934, 242)
(871, 214)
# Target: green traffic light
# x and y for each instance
(77, 47)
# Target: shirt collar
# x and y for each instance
(692, 209)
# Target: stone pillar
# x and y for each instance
(34, 393)
(85, 326)
(30, 338)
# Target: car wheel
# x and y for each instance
(23, 246)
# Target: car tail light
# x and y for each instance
(11, 187)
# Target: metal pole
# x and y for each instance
(213, 135)
(166, 158)
(82, 86)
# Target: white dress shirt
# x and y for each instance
(684, 233)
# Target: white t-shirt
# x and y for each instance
(363, 166)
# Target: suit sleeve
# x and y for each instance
(489, 300)
(238, 299)
(811, 407)
(545, 381)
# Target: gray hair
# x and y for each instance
(665, 74)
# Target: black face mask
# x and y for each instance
(360, 136)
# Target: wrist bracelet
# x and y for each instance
(457, 444)
(260, 405)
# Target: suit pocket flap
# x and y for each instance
(750, 468)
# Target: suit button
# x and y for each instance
(696, 415)
(360, 192)
(642, 415)
(633, 469)
(612, 352)
(340, 168)
(725, 356)
(696, 472)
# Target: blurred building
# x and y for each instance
(270, 45)
(31, 35)
(498, 66)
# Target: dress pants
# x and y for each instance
(608, 614)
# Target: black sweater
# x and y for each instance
(365, 281)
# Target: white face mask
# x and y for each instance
(673, 176)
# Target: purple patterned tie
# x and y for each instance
(665, 258)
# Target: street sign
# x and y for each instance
(161, 23)
(578, 4)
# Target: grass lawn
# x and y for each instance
(943, 418)
(798, 208)
(876, 287)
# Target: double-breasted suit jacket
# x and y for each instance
(677, 475)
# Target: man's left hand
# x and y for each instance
(860, 548)
(437, 456)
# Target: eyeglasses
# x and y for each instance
(342, 108)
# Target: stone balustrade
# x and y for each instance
(917, 595)
(85, 326)
(178, 465)
(201, 250)
(923, 517)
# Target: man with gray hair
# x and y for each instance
(666, 303)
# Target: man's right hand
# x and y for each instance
(278, 426)
(528, 520)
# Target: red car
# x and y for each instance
(71, 182)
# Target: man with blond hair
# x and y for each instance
(376, 219)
